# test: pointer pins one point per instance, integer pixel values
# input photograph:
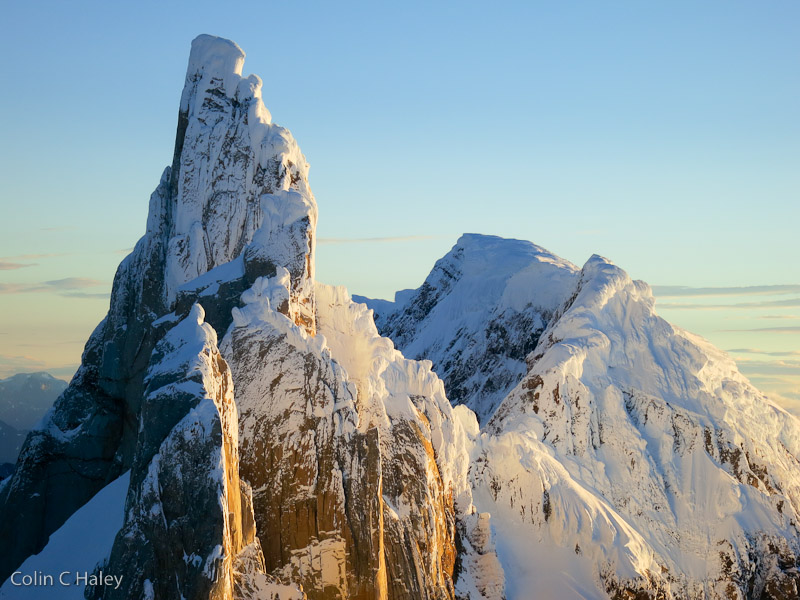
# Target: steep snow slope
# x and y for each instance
(661, 425)
(478, 315)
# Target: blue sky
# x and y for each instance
(663, 136)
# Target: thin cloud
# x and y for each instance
(770, 367)
(73, 283)
(98, 296)
(375, 240)
(788, 303)
(11, 263)
(34, 256)
(68, 286)
(765, 352)
(11, 266)
(784, 330)
(672, 291)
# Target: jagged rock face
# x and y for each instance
(358, 469)
(188, 516)
(237, 188)
(633, 460)
(477, 316)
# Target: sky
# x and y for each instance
(664, 136)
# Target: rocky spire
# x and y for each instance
(236, 197)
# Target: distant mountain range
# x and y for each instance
(24, 400)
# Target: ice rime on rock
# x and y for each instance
(189, 527)
(478, 315)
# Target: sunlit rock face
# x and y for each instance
(357, 463)
(188, 517)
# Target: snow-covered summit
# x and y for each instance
(630, 458)
(212, 58)
(478, 314)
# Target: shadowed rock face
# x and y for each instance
(188, 516)
(233, 171)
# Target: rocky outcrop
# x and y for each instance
(358, 467)
(188, 517)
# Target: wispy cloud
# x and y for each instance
(9, 365)
(68, 286)
(34, 256)
(765, 352)
(99, 295)
(11, 263)
(769, 367)
(60, 228)
(751, 290)
(375, 240)
(10, 266)
(787, 303)
(784, 330)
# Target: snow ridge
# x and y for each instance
(478, 315)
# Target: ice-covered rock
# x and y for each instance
(188, 517)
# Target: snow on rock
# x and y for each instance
(478, 314)
(234, 172)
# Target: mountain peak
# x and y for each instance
(213, 59)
